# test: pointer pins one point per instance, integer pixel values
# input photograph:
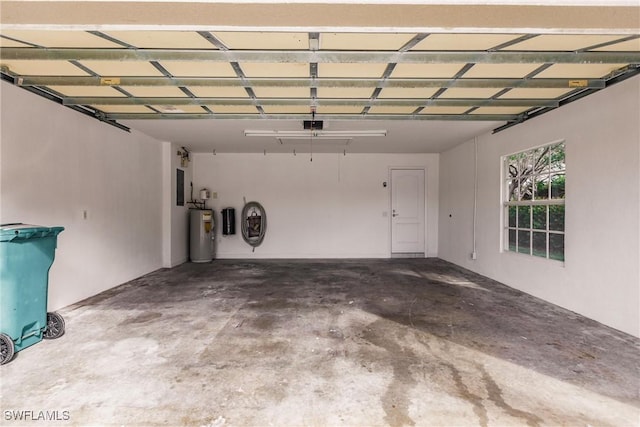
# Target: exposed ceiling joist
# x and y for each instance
(475, 79)
(339, 117)
(440, 102)
(293, 56)
(550, 83)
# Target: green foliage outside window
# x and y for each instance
(534, 201)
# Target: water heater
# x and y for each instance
(201, 235)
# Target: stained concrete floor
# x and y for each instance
(324, 343)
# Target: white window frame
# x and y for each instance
(506, 203)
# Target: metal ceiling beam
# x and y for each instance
(499, 83)
(337, 117)
(440, 102)
(574, 96)
(298, 56)
(80, 109)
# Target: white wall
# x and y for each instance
(332, 207)
(601, 276)
(56, 163)
(175, 218)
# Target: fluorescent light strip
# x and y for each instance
(315, 138)
(321, 140)
(295, 134)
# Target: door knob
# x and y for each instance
(394, 214)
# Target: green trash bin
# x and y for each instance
(26, 255)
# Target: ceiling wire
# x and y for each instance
(313, 120)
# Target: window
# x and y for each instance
(533, 201)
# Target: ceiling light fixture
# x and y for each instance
(324, 140)
(320, 134)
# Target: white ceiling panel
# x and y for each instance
(60, 38)
(11, 43)
(179, 109)
(287, 109)
(392, 109)
(281, 92)
(198, 69)
(122, 68)
(154, 91)
(571, 71)
(499, 110)
(274, 69)
(561, 42)
(333, 15)
(628, 46)
(233, 109)
(123, 108)
(433, 71)
(219, 91)
(363, 41)
(264, 58)
(226, 136)
(162, 39)
(354, 70)
(469, 93)
(87, 91)
(42, 68)
(444, 110)
(402, 92)
(533, 93)
(338, 109)
(345, 92)
(317, 145)
(488, 71)
(463, 41)
(263, 40)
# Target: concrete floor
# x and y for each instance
(324, 343)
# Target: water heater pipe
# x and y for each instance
(475, 194)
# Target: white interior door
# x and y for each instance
(407, 211)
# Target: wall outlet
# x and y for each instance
(214, 195)
(474, 255)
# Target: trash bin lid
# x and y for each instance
(9, 232)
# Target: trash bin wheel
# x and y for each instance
(7, 349)
(55, 326)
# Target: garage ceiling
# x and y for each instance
(151, 78)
